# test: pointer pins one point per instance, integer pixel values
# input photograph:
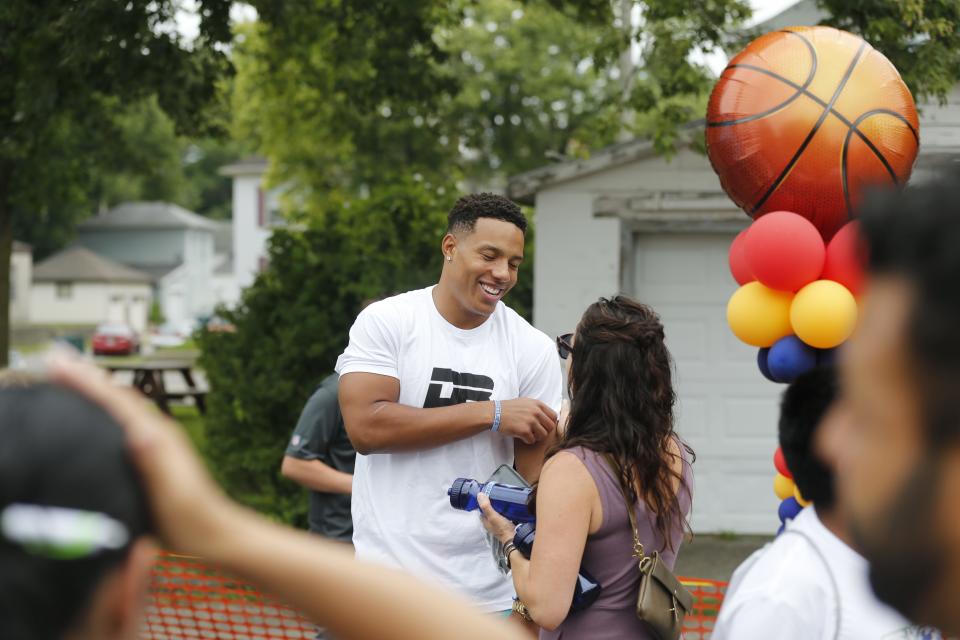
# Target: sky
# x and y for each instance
(188, 22)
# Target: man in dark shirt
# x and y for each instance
(320, 458)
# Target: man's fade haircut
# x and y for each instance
(802, 409)
(915, 235)
(468, 209)
(60, 450)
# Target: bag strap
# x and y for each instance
(638, 552)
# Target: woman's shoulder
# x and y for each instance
(574, 462)
(579, 459)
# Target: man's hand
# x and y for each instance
(527, 420)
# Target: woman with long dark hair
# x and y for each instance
(621, 411)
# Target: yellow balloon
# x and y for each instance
(783, 486)
(759, 315)
(823, 314)
(800, 500)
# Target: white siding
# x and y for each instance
(89, 303)
(577, 259)
(249, 236)
(21, 275)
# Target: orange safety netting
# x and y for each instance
(707, 598)
(189, 599)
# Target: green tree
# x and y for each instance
(144, 161)
(920, 37)
(207, 192)
(66, 70)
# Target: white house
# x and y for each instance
(174, 246)
(627, 220)
(255, 214)
(21, 275)
(77, 286)
(226, 289)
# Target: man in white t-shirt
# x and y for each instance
(808, 583)
(447, 382)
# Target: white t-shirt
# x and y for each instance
(784, 591)
(401, 512)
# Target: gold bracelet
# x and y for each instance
(521, 610)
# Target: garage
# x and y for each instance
(726, 411)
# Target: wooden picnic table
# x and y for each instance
(148, 378)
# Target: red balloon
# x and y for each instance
(738, 259)
(784, 251)
(845, 258)
(781, 464)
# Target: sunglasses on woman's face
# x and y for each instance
(565, 345)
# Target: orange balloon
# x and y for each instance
(805, 119)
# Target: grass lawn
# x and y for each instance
(189, 345)
(192, 422)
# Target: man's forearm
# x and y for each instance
(390, 426)
(315, 475)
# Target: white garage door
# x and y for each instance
(727, 411)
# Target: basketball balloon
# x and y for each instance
(804, 120)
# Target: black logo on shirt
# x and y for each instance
(466, 387)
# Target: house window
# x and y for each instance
(64, 290)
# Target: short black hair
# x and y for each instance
(465, 212)
(805, 402)
(916, 235)
(60, 450)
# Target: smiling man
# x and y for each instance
(441, 383)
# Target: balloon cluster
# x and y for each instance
(797, 299)
(785, 488)
(797, 303)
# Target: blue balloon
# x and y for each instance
(762, 360)
(789, 357)
(789, 509)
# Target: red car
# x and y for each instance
(115, 340)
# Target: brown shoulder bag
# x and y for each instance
(663, 602)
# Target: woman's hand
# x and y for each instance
(501, 528)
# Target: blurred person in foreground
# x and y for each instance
(895, 444)
(91, 473)
(621, 405)
(447, 382)
(809, 583)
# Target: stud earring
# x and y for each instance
(449, 258)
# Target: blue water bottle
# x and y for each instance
(585, 591)
(507, 500)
